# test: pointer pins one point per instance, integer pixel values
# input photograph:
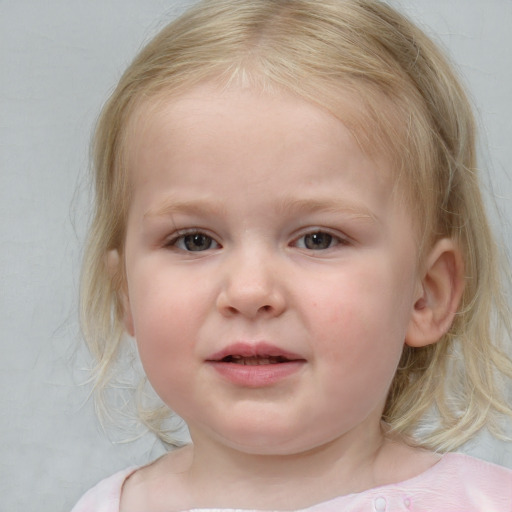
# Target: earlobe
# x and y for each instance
(114, 269)
(439, 296)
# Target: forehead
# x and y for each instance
(204, 108)
(195, 145)
(176, 125)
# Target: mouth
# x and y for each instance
(257, 354)
(255, 360)
(255, 365)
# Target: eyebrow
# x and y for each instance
(287, 206)
(171, 207)
(328, 205)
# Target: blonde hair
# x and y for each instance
(410, 105)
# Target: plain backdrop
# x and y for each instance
(58, 61)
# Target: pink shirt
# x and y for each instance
(456, 483)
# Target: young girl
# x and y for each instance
(288, 221)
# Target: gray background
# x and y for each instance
(58, 61)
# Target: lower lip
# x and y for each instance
(256, 376)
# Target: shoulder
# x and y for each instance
(473, 470)
(462, 481)
(158, 485)
(128, 489)
(105, 496)
(457, 483)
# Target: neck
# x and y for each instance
(297, 480)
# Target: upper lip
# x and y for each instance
(259, 349)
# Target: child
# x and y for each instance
(288, 221)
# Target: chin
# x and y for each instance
(270, 440)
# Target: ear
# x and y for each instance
(439, 294)
(114, 269)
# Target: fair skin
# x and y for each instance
(271, 282)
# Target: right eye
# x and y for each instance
(194, 242)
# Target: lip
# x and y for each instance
(260, 349)
(258, 375)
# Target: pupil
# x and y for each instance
(318, 241)
(197, 242)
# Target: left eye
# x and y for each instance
(195, 242)
(317, 241)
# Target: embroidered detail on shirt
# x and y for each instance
(380, 505)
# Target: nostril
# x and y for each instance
(250, 301)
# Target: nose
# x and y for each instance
(252, 287)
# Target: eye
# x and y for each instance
(317, 241)
(194, 242)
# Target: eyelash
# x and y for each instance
(323, 240)
(329, 239)
(180, 241)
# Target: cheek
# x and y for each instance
(163, 302)
(162, 323)
(168, 310)
(362, 322)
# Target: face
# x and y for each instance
(271, 275)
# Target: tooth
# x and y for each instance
(255, 360)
